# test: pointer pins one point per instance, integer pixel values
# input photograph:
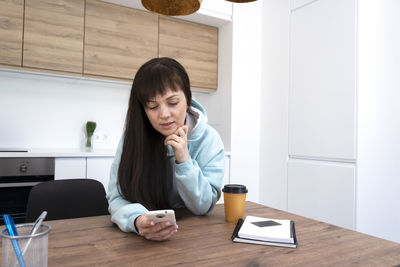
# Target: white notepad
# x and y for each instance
(266, 229)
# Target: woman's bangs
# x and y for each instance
(158, 82)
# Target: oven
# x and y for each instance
(17, 177)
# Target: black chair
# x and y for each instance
(65, 199)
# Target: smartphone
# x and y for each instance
(162, 216)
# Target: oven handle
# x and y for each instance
(19, 184)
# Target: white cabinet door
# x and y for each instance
(323, 80)
(323, 191)
(70, 168)
(98, 168)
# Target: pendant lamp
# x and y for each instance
(172, 7)
(241, 1)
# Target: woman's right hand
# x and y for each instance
(149, 230)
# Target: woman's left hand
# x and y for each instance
(178, 141)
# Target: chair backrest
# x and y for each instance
(65, 199)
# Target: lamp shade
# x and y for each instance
(241, 1)
(172, 7)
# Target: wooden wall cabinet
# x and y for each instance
(53, 35)
(195, 46)
(11, 22)
(94, 38)
(118, 40)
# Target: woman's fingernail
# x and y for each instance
(167, 224)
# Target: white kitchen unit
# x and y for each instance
(323, 80)
(343, 163)
(77, 163)
(322, 104)
(98, 168)
(324, 191)
(70, 168)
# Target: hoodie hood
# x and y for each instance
(196, 119)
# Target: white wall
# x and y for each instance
(274, 104)
(378, 201)
(246, 92)
(50, 111)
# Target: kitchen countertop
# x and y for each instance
(64, 153)
(59, 153)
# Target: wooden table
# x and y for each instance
(206, 241)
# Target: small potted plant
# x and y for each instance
(90, 127)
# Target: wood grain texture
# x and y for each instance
(53, 35)
(206, 241)
(118, 40)
(11, 27)
(195, 46)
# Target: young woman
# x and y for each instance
(168, 157)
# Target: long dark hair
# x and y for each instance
(145, 173)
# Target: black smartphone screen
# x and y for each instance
(266, 223)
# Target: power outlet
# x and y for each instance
(100, 138)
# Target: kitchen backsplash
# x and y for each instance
(50, 111)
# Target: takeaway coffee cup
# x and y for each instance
(234, 199)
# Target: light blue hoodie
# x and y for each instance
(197, 182)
